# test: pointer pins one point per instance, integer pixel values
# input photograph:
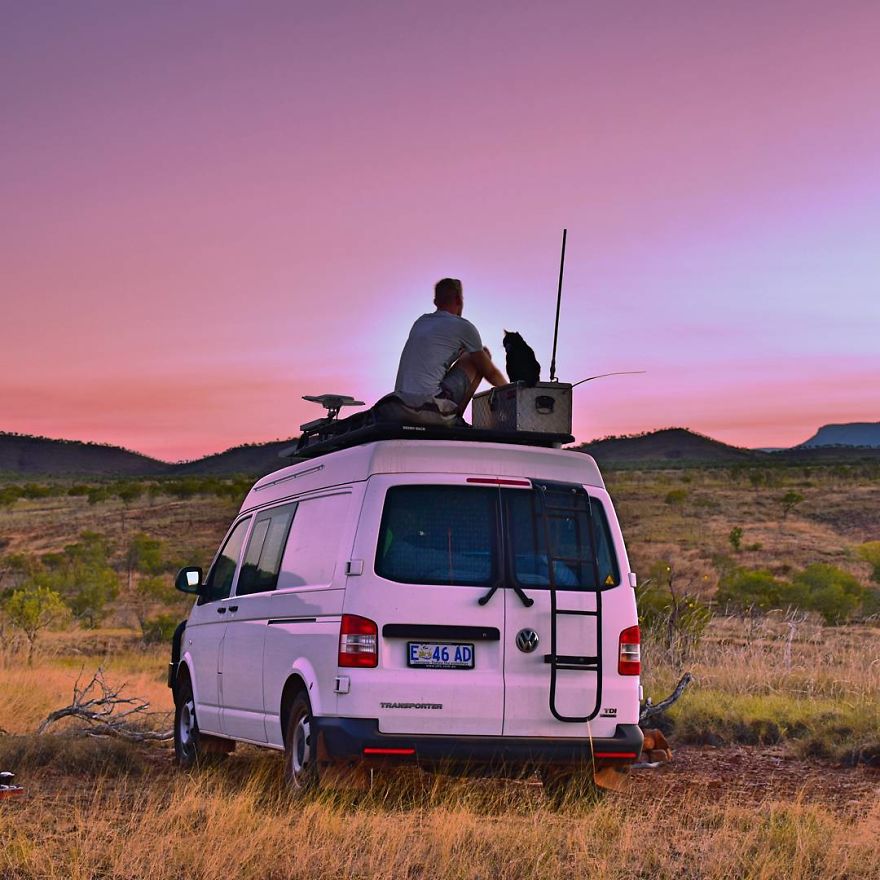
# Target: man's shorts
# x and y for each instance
(455, 385)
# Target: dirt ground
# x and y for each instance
(755, 774)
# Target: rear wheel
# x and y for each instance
(186, 728)
(300, 747)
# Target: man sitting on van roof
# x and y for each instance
(444, 359)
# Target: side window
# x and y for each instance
(262, 560)
(222, 573)
(313, 546)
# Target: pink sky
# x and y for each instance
(209, 210)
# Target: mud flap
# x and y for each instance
(611, 778)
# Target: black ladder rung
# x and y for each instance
(572, 611)
(571, 660)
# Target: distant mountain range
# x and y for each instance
(23, 456)
(865, 434)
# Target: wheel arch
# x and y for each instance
(294, 685)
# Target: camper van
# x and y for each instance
(451, 603)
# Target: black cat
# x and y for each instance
(522, 365)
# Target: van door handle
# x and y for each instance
(221, 611)
(233, 607)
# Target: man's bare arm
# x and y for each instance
(483, 362)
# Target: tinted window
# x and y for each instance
(567, 519)
(447, 535)
(219, 582)
(438, 535)
(259, 571)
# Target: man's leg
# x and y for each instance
(467, 365)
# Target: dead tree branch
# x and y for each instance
(106, 712)
(651, 709)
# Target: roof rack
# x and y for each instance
(331, 436)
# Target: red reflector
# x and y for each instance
(629, 658)
(497, 481)
(368, 751)
(632, 755)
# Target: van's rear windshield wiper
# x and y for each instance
(523, 597)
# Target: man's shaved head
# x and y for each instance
(447, 292)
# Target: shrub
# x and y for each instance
(676, 497)
(750, 588)
(160, 629)
(870, 552)
(835, 594)
(673, 618)
(735, 537)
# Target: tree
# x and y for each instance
(789, 501)
(127, 493)
(83, 575)
(145, 587)
(33, 609)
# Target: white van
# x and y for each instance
(448, 603)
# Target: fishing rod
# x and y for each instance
(603, 375)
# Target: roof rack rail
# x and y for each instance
(325, 436)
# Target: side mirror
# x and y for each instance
(189, 580)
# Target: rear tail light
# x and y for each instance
(358, 641)
(629, 658)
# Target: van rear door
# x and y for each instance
(559, 556)
(440, 664)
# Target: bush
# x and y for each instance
(835, 594)
(676, 497)
(750, 588)
(735, 537)
(870, 552)
(160, 629)
(670, 616)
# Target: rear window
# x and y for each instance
(451, 535)
(438, 535)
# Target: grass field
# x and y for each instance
(777, 743)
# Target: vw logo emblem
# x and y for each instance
(527, 640)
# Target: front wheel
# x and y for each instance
(186, 728)
(300, 748)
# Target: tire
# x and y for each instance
(300, 748)
(563, 787)
(186, 728)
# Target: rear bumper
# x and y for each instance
(347, 738)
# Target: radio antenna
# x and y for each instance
(558, 301)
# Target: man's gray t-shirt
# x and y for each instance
(435, 343)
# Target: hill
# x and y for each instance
(251, 458)
(23, 454)
(668, 447)
(852, 434)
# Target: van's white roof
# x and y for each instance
(424, 457)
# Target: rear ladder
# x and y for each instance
(573, 502)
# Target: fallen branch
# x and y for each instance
(107, 712)
(651, 709)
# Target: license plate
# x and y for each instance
(432, 655)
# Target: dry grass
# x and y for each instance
(222, 825)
